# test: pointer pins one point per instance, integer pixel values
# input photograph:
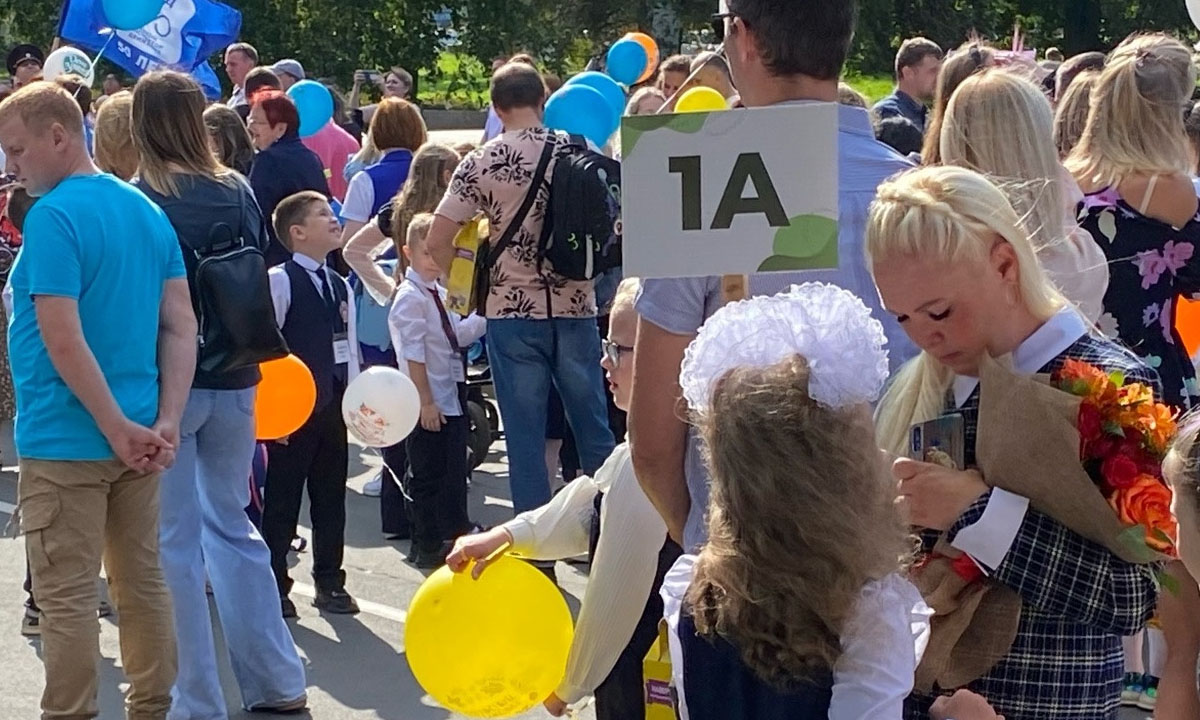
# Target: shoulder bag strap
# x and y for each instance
(539, 176)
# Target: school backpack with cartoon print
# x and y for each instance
(581, 237)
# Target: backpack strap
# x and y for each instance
(234, 238)
(539, 176)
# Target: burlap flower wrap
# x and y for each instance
(1027, 443)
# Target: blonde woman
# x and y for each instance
(1134, 164)
(115, 152)
(203, 529)
(954, 265)
(999, 124)
(959, 65)
(428, 178)
(795, 607)
(1070, 117)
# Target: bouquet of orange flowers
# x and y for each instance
(1084, 448)
(1123, 438)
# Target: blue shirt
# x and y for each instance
(901, 104)
(99, 241)
(681, 305)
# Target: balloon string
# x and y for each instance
(683, 86)
(103, 47)
(395, 476)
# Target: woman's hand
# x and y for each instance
(480, 548)
(932, 496)
(555, 706)
(964, 705)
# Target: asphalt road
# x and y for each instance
(356, 665)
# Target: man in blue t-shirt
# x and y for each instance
(102, 343)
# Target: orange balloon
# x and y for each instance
(285, 400)
(1187, 322)
(651, 54)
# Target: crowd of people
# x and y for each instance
(992, 206)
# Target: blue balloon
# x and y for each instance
(315, 105)
(608, 87)
(130, 14)
(626, 61)
(581, 110)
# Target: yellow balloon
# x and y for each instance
(488, 648)
(701, 99)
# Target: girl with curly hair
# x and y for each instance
(795, 607)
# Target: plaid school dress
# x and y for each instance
(1078, 599)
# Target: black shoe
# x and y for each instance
(337, 602)
(289, 608)
(430, 559)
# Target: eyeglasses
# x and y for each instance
(717, 23)
(612, 351)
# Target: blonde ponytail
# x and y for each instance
(1135, 119)
(954, 215)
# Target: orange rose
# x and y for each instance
(1147, 503)
(1087, 380)
(1157, 423)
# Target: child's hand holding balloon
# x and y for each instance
(483, 548)
(555, 706)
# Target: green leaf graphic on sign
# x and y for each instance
(633, 128)
(809, 242)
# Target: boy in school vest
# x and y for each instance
(313, 311)
(431, 340)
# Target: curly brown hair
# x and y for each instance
(800, 518)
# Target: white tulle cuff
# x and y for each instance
(827, 325)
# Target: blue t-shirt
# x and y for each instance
(100, 241)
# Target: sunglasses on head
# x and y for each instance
(717, 23)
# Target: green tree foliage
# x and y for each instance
(335, 37)
(1072, 25)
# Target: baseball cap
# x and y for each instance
(291, 67)
(23, 53)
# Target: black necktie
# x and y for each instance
(326, 291)
(447, 328)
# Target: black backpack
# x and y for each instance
(233, 300)
(581, 238)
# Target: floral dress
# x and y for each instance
(1151, 267)
(10, 243)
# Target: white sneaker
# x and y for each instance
(374, 486)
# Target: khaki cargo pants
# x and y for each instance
(73, 514)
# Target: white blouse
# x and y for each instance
(882, 645)
(622, 576)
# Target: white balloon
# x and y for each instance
(1193, 8)
(381, 407)
(68, 61)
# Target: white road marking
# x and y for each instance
(371, 608)
(7, 508)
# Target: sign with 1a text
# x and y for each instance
(732, 192)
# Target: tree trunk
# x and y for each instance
(1081, 26)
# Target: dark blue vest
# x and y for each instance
(717, 685)
(309, 329)
(388, 175)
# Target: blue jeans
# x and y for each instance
(525, 357)
(203, 527)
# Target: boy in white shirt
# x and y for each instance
(314, 313)
(430, 341)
